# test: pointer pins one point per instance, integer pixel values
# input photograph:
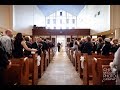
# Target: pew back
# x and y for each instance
(19, 72)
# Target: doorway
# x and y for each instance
(62, 40)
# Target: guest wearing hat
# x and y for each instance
(106, 47)
(115, 46)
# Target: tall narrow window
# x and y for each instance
(48, 21)
(60, 13)
(54, 21)
(67, 21)
(73, 21)
(60, 21)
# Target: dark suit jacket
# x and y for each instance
(45, 46)
(106, 49)
(87, 48)
(3, 57)
(28, 53)
(38, 47)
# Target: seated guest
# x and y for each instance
(4, 64)
(114, 46)
(19, 44)
(29, 45)
(106, 47)
(87, 48)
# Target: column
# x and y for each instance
(117, 33)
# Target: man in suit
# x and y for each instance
(37, 45)
(87, 47)
(4, 64)
(6, 42)
(45, 45)
(58, 45)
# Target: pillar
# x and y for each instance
(117, 34)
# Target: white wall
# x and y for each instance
(87, 19)
(5, 17)
(82, 19)
(39, 18)
(26, 16)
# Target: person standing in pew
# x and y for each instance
(115, 65)
(75, 46)
(5, 64)
(71, 43)
(81, 44)
(45, 45)
(6, 42)
(29, 45)
(99, 45)
(115, 46)
(94, 45)
(87, 48)
(19, 45)
(106, 47)
(37, 45)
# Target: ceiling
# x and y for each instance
(49, 9)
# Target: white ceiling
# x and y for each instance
(49, 9)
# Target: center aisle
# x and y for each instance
(60, 72)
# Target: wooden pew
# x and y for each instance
(45, 61)
(102, 56)
(94, 55)
(78, 63)
(48, 58)
(68, 52)
(33, 69)
(101, 68)
(87, 70)
(54, 50)
(41, 67)
(75, 60)
(71, 57)
(18, 73)
(51, 54)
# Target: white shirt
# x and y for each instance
(6, 42)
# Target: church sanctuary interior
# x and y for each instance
(59, 44)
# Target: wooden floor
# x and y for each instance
(60, 72)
